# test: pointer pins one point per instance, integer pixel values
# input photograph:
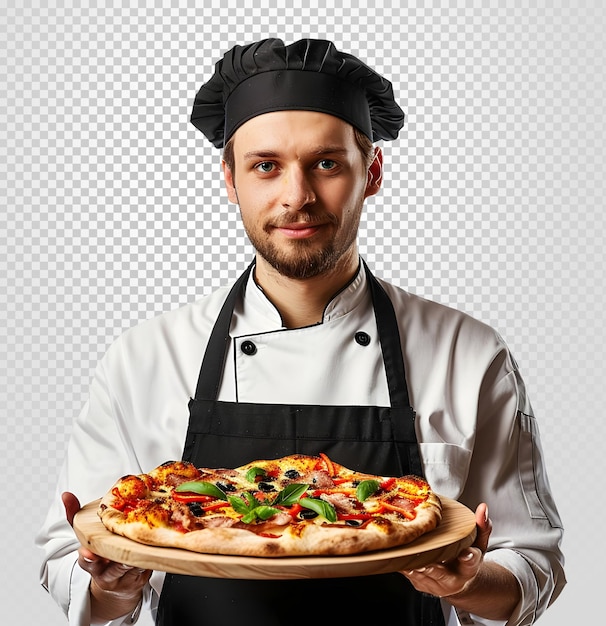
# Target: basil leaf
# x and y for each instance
(261, 512)
(251, 500)
(250, 517)
(239, 505)
(366, 488)
(253, 472)
(321, 507)
(265, 512)
(290, 495)
(203, 488)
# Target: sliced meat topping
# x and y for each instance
(217, 522)
(341, 502)
(319, 479)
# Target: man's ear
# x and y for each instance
(375, 174)
(230, 185)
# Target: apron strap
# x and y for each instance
(213, 363)
(389, 335)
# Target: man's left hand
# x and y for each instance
(454, 577)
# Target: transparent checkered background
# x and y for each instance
(112, 210)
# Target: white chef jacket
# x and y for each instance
(477, 436)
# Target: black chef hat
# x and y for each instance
(310, 75)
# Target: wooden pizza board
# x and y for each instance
(456, 531)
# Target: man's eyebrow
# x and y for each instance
(337, 149)
(260, 154)
(318, 151)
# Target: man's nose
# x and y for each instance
(298, 191)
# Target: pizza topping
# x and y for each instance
(255, 472)
(280, 501)
(265, 487)
(400, 506)
(290, 495)
(220, 521)
(319, 479)
(132, 487)
(202, 488)
(191, 497)
(366, 489)
(226, 487)
(321, 507)
(388, 483)
(329, 466)
(195, 509)
(306, 514)
(330, 498)
(340, 501)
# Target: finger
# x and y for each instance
(71, 505)
(481, 515)
(139, 574)
(109, 571)
(92, 563)
(436, 580)
(484, 527)
(122, 578)
(469, 561)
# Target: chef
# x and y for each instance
(309, 352)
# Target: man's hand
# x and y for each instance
(115, 587)
(454, 577)
(470, 583)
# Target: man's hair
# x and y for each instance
(364, 143)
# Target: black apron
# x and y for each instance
(377, 440)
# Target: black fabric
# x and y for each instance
(379, 440)
(284, 90)
(361, 438)
(363, 601)
(335, 82)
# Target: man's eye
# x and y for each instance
(265, 166)
(326, 164)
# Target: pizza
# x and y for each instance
(296, 505)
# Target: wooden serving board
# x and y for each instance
(456, 531)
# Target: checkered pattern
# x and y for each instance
(113, 210)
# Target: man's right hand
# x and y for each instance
(115, 587)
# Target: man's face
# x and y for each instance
(300, 181)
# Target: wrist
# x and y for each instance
(463, 592)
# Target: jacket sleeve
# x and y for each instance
(96, 455)
(507, 471)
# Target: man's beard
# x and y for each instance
(302, 263)
(299, 259)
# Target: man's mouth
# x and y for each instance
(301, 226)
(298, 230)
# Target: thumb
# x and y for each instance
(484, 527)
(71, 504)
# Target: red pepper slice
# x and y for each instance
(329, 466)
(261, 496)
(387, 484)
(121, 503)
(295, 509)
(190, 496)
(398, 509)
(217, 505)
